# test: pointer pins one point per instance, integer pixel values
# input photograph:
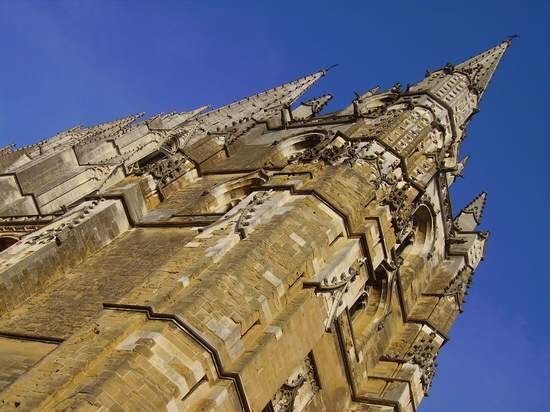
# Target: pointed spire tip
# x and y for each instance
(470, 216)
(464, 161)
(481, 67)
(476, 206)
(508, 40)
(326, 70)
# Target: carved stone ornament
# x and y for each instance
(337, 287)
(400, 209)
(168, 169)
(20, 226)
(458, 286)
(312, 154)
(247, 212)
(446, 210)
(298, 390)
(351, 153)
(59, 233)
(424, 355)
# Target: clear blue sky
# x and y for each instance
(71, 62)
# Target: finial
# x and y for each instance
(449, 68)
(460, 166)
(7, 148)
(509, 39)
(331, 67)
(373, 91)
(396, 88)
(463, 162)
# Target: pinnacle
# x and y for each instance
(175, 119)
(318, 103)
(359, 99)
(476, 206)
(367, 94)
(456, 171)
(470, 216)
(7, 149)
(462, 164)
(123, 121)
(316, 100)
(103, 130)
(197, 111)
(311, 107)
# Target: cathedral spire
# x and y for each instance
(299, 87)
(460, 87)
(172, 120)
(470, 216)
(285, 94)
(481, 67)
(260, 106)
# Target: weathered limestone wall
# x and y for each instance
(250, 258)
(27, 266)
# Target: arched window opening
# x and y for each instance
(371, 310)
(294, 146)
(422, 231)
(6, 242)
(151, 159)
(226, 195)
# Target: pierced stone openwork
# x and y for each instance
(304, 146)
(58, 233)
(167, 169)
(459, 285)
(422, 354)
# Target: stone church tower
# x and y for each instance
(256, 257)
